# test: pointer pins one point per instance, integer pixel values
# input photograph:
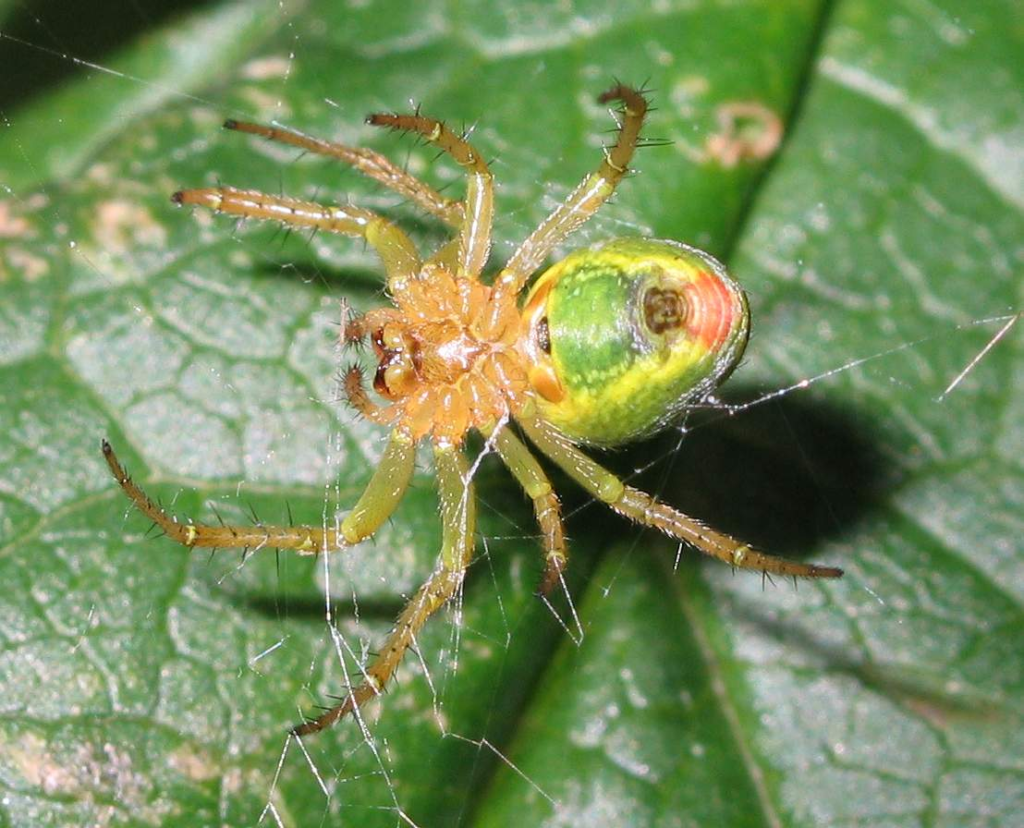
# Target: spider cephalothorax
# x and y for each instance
(612, 343)
(448, 357)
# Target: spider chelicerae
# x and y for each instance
(610, 344)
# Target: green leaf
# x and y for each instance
(170, 63)
(880, 246)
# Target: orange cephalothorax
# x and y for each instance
(446, 360)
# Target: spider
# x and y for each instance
(610, 344)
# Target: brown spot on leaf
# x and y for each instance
(747, 130)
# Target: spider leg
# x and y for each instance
(527, 471)
(395, 248)
(475, 234)
(361, 402)
(585, 200)
(375, 505)
(369, 163)
(646, 510)
(458, 517)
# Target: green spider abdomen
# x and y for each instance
(620, 337)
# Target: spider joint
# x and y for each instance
(611, 489)
(739, 554)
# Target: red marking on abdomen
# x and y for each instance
(711, 310)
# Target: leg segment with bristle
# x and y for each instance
(396, 250)
(370, 163)
(378, 501)
(475, 233)
(458, 521)
(640, 507)
(585, 200)
(546, 508)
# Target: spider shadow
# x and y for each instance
(785, 476)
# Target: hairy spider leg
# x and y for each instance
(355, 393)
(396, 250)
(475, 234)
(368, 162)
(458, 521)
(382, 494)
(640, 507)
(531, 477)
(582, 202)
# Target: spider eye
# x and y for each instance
(664, 309)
